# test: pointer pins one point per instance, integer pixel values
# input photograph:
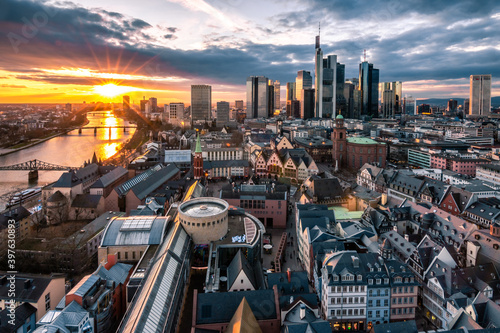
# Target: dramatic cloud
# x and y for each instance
(434, 46)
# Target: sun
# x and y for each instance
(112, 89)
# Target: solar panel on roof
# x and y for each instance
(137, 223)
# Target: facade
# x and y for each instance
(319, 148)
(204, 219)
(302, 82)
(222, 114)
(41, 292)
(480, 95)
(201, 103)
(267, 203)
(198, 160)
(355, 152)
(277, 94)
(368, 85)
(391, 98)
(488, 172)
(404, 291)
(257, 97)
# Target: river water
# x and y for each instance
(71, 150)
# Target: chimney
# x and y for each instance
(407, 238)
(27, 283)
(355, 261)
(112, 260)
(289, 275)
(302, 311)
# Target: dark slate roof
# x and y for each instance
(17, 213)
(23, 312)
(403, 326)
(483, 210)
(26, 292)
(86, 201)
(57, 196)
(110, 177)
(67, 179)
(144, 188)
(324, 187)
(238, 264)
(299, 282)
(220, 307)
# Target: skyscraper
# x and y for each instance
(238, 104)
(201, 103)
(341, 103)
(409, 105)
(318, 79)
(257, 97)
(270, 99)
(325, 72)
(277, 94)
(290, 91)
(390, 98)
(329, 86)
(143, 104)
(153, 102)
(222, 114)
(368, 85)
(480, 95)
(302, 82)
(307, 104)
(126, 103)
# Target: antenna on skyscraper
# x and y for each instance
(317, 37)
(364, 55)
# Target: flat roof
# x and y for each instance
(364, 141)
(342, 213)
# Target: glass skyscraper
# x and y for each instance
(480, 95)
(201, 103)
(368, 84)
(257, 97)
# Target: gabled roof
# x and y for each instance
(21, 314)
(110, 177)
(86, 201)
(28, 288)
(238, 264)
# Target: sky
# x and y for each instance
(65, 51)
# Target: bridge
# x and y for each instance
(33, 166)
(95, 128)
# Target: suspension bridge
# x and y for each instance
(33, 166)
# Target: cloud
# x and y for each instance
(407, 40)
(12, 86)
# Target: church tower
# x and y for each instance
(198, 160)
(339, 143)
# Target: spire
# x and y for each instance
(94, 158)
(317, 37)
(198, 144)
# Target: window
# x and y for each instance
(379, 281)
(126, 255)
(370, 281)
(360, 277)
(47, 302)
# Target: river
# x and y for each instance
(72, 149)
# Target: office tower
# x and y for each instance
(307, 104)
(341, 105)
(290, 91)
(329, 86)
(176, 110)
(368, 84)
(222, 114)
(154, 104)
(352, 95)
(452, 105)
(238, 104)
(302, 82)
(257, 97)
(143, 104)
(270, 99)
(325, 72)
(293, 108)
(201, 103)
(466, 106)
(277, 94)
(409, 105)
(126, 103)
(480, 95)
(318, 79)
(69, 107)
(390, 98)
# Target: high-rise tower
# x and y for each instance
(201, 103)
(368, 84)
(318, 77)
(257, 97)
(480, 95)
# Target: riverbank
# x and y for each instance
(128, 149)
(7, 151)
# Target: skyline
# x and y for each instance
(63, 51)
